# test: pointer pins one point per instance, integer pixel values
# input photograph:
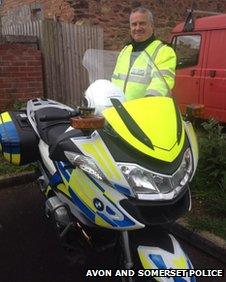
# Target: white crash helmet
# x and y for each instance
(100, 92)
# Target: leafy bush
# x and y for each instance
(209, 184)
(17, 105)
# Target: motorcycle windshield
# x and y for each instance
(136, 74)
(151, 124)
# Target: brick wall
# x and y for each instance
(112, 15)
(20, 73)
(21, 10)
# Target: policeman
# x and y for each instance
(141, 61)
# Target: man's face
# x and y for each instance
(140, 26)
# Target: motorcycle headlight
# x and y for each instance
(86, 164)
(182, 175)
(151, 185)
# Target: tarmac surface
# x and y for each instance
(30, 251)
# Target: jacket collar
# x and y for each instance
(140, 46)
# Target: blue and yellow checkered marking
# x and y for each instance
(180, 263)
(65, 168)
(83, 189)
(99, 152)
(106, 219)
(93, 214)
(179, 279)
(122, 189)
(55, 179)
(95, 182)
(86, 210)
(9, 138)
(119, 223)
(110, 211)
(158, 261)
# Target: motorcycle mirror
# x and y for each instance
(194, 111)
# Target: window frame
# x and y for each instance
(192, 62)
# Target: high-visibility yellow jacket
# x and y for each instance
(143, 78)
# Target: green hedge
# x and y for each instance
(209, 183)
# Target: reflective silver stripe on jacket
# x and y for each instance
(154, 55)
(148, 77)
(119, 76)
(164, 73)
(153, 93)
(133, 78)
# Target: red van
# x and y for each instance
(201, 65)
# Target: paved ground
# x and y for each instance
(30, 251)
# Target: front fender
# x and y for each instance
(155, 257)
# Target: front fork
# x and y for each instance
(128, 263)
(127, 255)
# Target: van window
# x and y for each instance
(187, 50)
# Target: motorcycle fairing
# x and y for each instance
(158, 119)
(158, 258)
(95, 148)
(121, 151)
(57, 188)
(56, 183)
(85, 192)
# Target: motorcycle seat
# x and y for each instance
(49, 130)
(55, 134)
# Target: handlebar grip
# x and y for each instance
(65, 116)
(75, 113)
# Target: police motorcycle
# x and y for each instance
(112, 164)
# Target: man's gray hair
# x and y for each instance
(144, 11)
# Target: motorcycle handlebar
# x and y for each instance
(65, 116)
